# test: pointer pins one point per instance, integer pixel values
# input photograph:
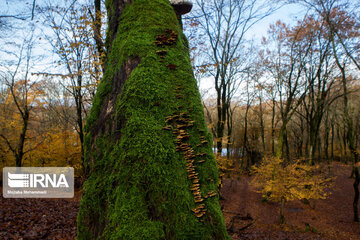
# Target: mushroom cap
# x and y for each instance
(181, 7)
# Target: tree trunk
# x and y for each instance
(151, 170)
(356, 198)
(229, 123)
(19, 151)
(282, 216)
(345, 145)
(332, 139)
(314, 137)
(301, 140)
(326, 142)
(228, 143)
(245, 151)
(340, 140)
(283, 145)
(307, 136)
(318, 144)
(79, 119)
(220, 126)
(281, 142)
(273, 128)
(262, 127)
(97, 33)
(286, 148)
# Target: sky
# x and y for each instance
(15, 33)
(289, 14)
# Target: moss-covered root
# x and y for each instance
(151, 171)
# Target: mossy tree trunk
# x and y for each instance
(150, 169)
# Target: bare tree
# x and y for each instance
(321, 81)
(21, 90)
(225, 24)
(98, 36)
(249, 99)
(286, 64)
(23, 15)
(80, 50)
(340, 17)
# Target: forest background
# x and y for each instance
(287, 88)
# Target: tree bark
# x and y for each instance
(356, 197)
(20, 149)
(283, 145)
(24, 109)
(282, 216)
(79, 117)
(229, 123)
(148, 153)
(220, 125)
(245, 152)
(286, 146)
(301, 140)
(97, 29)
(326, 138)
(332, 139)
(273, 128)
(262, 127)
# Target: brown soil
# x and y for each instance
(330, 219)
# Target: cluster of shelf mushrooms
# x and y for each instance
(163, 40)
(168, 39)
(178, 123)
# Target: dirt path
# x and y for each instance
(330, 219)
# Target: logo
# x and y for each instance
(35, 180)
(30, 182)
(18, 180)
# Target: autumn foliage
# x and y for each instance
(49, 140)
(281, 182)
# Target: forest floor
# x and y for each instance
(330, 219)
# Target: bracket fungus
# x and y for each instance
(179, 122)
(181, 7)
(167, 128)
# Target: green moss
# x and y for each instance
(138, 186)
